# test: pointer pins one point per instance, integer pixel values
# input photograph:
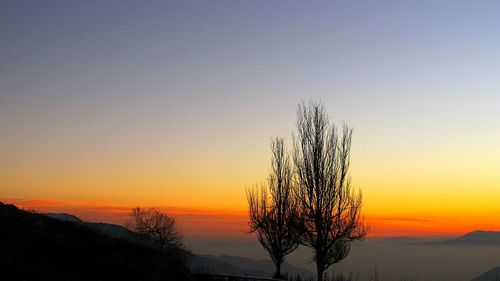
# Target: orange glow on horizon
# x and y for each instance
(192, 221)
(210, 222)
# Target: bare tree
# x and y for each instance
(330, 210)
(274, 217)
(157, 225)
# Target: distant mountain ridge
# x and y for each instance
(478, 237)
(265, 265)
(111, 230)
(225, 264)
(202, 263)
(63, 217)
(233, 265)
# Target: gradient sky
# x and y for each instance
(174, 103)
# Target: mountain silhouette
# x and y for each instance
(64, 217)
(200, 263)
(490, 275)
(478, 237)
(111, 230)
(225, 264)
(39, 247)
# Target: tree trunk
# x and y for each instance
(320, 269)
(161, 246)
(277, 274)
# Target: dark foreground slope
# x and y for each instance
(37, 247)
(490, 275)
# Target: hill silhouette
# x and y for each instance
(490, 275)
(478, 237)
(64, 217)
(38, 247)
(233, 265)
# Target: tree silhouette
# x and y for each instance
(330, 211)
(274, 217)
(157, 225)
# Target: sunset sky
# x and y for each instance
(107, 105)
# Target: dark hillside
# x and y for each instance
(490, 275)
(37, 247)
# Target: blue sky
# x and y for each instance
(159, 85)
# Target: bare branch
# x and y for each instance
(329, 209)
(157, 225)
(272, 210)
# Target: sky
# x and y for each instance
(115, 104)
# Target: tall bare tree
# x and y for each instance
(330, 210)
(157, 225)
(274, 217)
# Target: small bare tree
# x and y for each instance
(274, 217)
(330, 211)
(157, 225)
